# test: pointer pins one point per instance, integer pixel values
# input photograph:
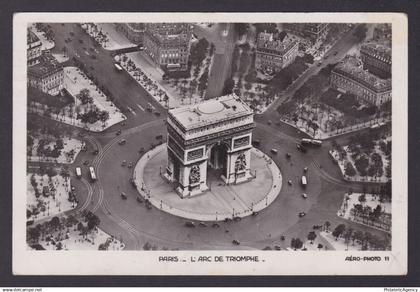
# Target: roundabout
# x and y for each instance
(221, 201)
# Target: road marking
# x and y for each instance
(140, 107)
(131, 110)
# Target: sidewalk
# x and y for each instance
(350, 129)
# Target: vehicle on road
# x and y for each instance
(95, 152)
(255, 213)
(158, 137)
(256, 142)
(302, 214)
(274, 151)
(237, 218)
(133, 182)
(123, 196)
(86, 162)
(118, 67)
(301, 148)
(305, 169)
(311, 142)
(289, 182)
(236, 242)
(122, 142)
(288, 156)
(72, 188)
(124, 163)
(149, 107)
(118, 132)
(190, 224)
(304, 181)
(130, 165)
(92, 174)
(202, 224)
(215, 225)
(276, 247)
(305, 196)
(78, 172)
(269, 122)
(140, 200)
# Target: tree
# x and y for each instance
(320, 246)
(92, 220)
(347, 236)
(33, 234)
(228, 86)
(327, 225)
(362, 199)
(84, 96)
(241, 28)
(349, 169)
(55, 222)
(296, 243)
(198, 52)
(338, 231)
(311, 236)
(361, 164)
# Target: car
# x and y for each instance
(86, 162)
(130, 165)
(84, 148)
(335, 53)
(118, 132)
(302, 214)
(227, 219)
(237, 219)
(123, 123)
(158, 137)
(289, 182)
(274, 151)
(202, 224)
(124, 163)
(122, 142)
(190, 224)
(301, 148)
(305, 169)
(276, 247)
(288, 156)
(95, 152)
(73, 188)
(123, 196)
(215, 225)
(255, 213)
(140, 200)
(235, 242)
(305, 196)
(269, 122)
(133, 182)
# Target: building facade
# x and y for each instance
(134, 32)
(168, 45)
(214, 135)
(47, 75)
(347, 77)
(314, 32)
(377, 59)
(275, 52)
(34, 48)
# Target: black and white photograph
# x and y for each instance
(258, 138)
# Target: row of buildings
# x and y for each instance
(167, 44)
(44, 71)
(370, 79)
(276, 51)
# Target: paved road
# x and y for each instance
(220, 68)
(131, 97)
(341, 48)
(131, 221)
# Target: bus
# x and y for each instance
(118, 67)
(92, 173)
(311, 142)
(78, 172)
(304, 181)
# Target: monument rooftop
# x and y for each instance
(211, 111)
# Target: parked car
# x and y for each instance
(95, 152)
(124, 163)
(305, 169)
(122, 142)
(123, 196)
(130, 165)
(86, 162)
(302, 214)
(276, 247)
(235, 242)
(288, 156)
(202, 224)
(118, 132)
(190, 224)
(305, 196)
(289, 182)
(215, 225)
(301, 148)
(255, 213)
(139, 199)
(237, 218)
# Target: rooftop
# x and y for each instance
(378, 50)
(170, 33)
(31, 37)
(279, 43)
(348, 67)
(210, 111)
(47, 65)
